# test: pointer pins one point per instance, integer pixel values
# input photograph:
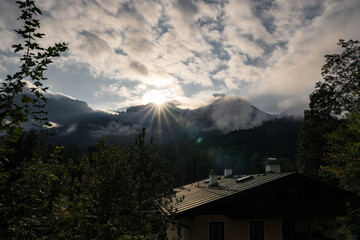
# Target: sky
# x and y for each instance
(124, 53)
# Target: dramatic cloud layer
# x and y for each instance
(123, 53)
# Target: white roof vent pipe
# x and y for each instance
(213, 178)
(227, 172)
(272, 165)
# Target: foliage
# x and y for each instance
(343, 165)
(329, 137)
(34, 62)
(186, 160)
(336, 95)
(249, 148)
(119, 190)
(343, 156)
(331, 100)
(244, 151)
(111, 193)
(312, 143)
(33, 198)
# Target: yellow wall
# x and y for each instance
(325, 226)
(238, 229)
(235, 229)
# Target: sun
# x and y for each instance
(155, 96)
(158, 111)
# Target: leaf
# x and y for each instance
(38, 10)
(39, 35)
(25, 99)
(17, 47)
(52, 177)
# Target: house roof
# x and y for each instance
(199, 193)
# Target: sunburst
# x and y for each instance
(154, 96)
(158, 109)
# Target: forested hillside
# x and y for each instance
(244, 151)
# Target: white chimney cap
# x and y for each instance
(272, 165)
(227, 172)
(213, 178)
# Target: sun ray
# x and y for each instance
(166, 112)
(158, 112)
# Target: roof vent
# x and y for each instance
(244, 179)
(213, 178)
(272, 165)
(227, 172)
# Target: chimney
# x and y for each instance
(272, 165)
(227, 172)
(213, 178)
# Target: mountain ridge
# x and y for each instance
(75, 121)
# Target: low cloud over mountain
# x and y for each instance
(225, 114)
(75, 121)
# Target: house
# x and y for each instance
(268, 206)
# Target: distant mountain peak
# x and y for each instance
(165, 122)
(225, 114)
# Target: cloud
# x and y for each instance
(218, 95)
(242, 47)
(138, 67)
(7, 24)
(296, 70)
(70, 130)
(53, 125)
(233, 113)
(94, 45)
(225, 114)
(114, 129)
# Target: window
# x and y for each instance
(216, 231)
(257, 230)
(186, 234)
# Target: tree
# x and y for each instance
(30, 182)
(110, 193)
(329, 137)
(34, 198)
(119, 190)
(312, 143)
(30, 185)
(343, 156)
(336, 95)
(331, 100)
(342, 161)
(34, 62)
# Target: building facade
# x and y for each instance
(269, 206)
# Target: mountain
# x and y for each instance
(75, 121)
(296, 110)
(225, 114)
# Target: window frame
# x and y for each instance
(216, 221)
(263, 228)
